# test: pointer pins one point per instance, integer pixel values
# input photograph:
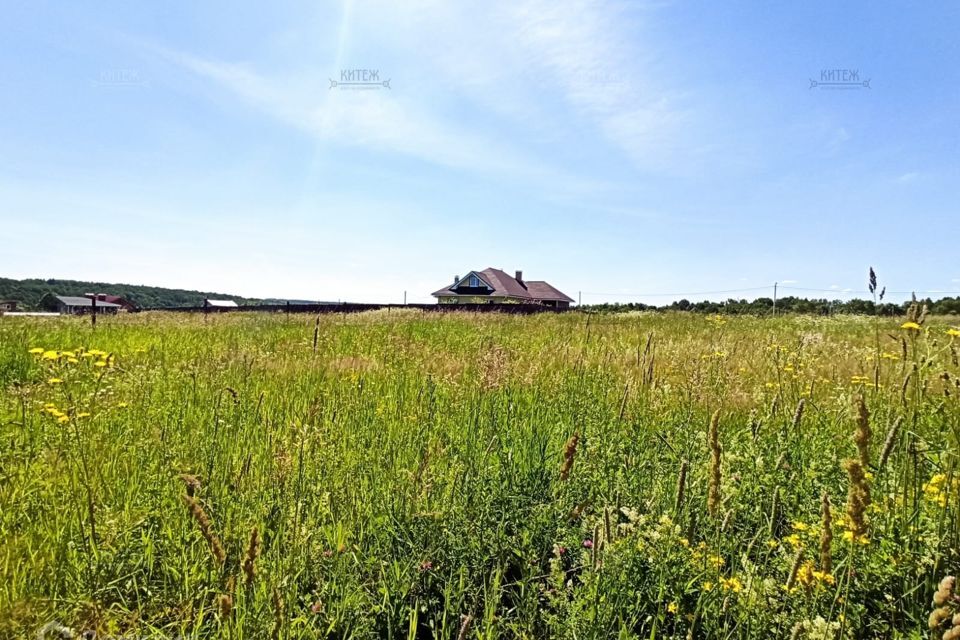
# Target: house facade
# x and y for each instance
(495, 286)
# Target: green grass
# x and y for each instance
(405, 476)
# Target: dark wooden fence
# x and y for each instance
(357, 307)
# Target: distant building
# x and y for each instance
(120, 300)
(493, 285)
(8, 305)
(77, 304)
(218, 305)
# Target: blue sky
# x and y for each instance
(611, 148)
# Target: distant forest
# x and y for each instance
(28, 293)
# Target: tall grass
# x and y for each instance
(400, 474)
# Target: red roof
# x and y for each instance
(504, 285)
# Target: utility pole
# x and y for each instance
(579, 298)
(774, 298)
(404, 298)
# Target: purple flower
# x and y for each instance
(588, 544)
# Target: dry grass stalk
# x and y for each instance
(794, 569)
(890, 441)
(798, 414)
(775, 512)
(225, 600)
(206, 528)
(826, 535)
(862, 435)
(225, 605)
(726, 520)
(906, 383)
(465, 621)
(569, 455)
(249, 560)
(713, 441)
(191, 483)
(278, 614)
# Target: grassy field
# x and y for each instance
(403, 475)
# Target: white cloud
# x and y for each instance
(907, 177)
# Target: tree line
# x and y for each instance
(28, 293)
(789, 304)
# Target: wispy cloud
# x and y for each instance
(577, 51)
(603, 74)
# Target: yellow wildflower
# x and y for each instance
(708, 586)
(54, 381)
(821, 576)
(849, 537)
(673, 607)
(793, 539)
(731, 584)
(100, 363)
(910, 326)
(37, 350)
(953, 332)
(63, 419)
(50, 355)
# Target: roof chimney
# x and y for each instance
(456, 279)
(519, 277)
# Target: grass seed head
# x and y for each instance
(890, 441)
(826, 535)
(569, 455)
(249, 560)
(206, 528)
(858, 497)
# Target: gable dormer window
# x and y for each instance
(474, 281)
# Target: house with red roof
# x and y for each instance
(493, 285)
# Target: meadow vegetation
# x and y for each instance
(406, 475)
